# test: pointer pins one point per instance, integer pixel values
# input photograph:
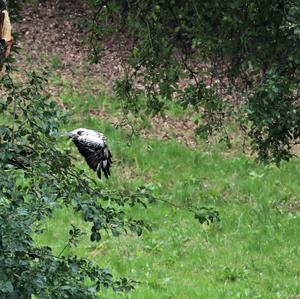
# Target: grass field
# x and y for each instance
(253, 252)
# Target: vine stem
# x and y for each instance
(14, 118)
(14, 106)
(65, 247)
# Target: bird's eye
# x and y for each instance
(79, 132)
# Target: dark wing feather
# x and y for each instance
(92, 160)
(89, 154)
(97, 159)
(106, 161)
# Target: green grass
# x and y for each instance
(254, 252)
(55, 62)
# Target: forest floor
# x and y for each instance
(253, 252)
(52, 37)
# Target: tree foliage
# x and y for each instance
(220, 57)
(36, 177)
(14, 7)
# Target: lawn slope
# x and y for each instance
(253, 252)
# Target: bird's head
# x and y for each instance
(74, 133)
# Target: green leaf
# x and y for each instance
(6, 287)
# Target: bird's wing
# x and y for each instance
(90, 154)
(97, 156)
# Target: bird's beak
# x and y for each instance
(66, 134)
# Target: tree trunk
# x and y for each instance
(6, 39)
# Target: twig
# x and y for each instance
(65, 247)
(14, 107)
(189, 209)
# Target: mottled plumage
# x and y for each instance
(92, 145)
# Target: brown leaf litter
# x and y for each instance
(52, 35)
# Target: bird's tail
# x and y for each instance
(105, 163)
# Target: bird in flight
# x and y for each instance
(92, 146)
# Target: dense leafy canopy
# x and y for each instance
(227, 59)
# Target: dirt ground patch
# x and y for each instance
(52, 34)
